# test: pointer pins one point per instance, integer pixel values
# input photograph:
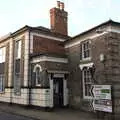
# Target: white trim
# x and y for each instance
(51, 59)
(58, 75)
(81, 40)
(37, 65)
(51, 91)
(48, 36)
(5, 36)
(86, 59)
(55, 71)
(86, 65)
(115, 30)
(93, 35)
(65, 92)
(26, 58)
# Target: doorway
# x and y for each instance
(58, 92)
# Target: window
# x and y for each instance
(87, 82)
(18, 49)
(86, 49)
(17, 72)
(2, 54)
(2, 67)
(2, 82)
(38, 75)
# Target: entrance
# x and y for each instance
(58, 92)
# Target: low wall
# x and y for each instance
(38, 97)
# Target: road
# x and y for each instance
(8, 116)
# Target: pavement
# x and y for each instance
(39, 114)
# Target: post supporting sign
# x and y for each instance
(102, 98)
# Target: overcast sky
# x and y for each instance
(83, 14)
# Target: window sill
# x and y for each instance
(86, 59)
(38, 85)
(87, 97)
(2, 92)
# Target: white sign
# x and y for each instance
(102, 98)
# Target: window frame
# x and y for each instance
(17, 75)
(2, 90)
(2, 75)
(84, 84)
(40, 70)
(3, 54)
(18, 48)
(88, 49)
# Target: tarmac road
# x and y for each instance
(8, 116)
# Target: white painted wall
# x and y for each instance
(40, 97)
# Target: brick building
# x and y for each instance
(33, 60)
(47, 68)
(97, 49)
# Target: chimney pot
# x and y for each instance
(63, 6)
(58, 4)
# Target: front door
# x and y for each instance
(58, 92)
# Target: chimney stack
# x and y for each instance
(58, 19)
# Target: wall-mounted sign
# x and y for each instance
(102, 98)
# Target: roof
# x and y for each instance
(48, 54)
(94, 28)
(40, 29)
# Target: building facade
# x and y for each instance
(96, 51)
(34, 65)
(47, 68)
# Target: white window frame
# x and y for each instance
(83, 79)
(2, 54)
(18, 49)
(83, 50)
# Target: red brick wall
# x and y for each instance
(44, 45)
(58, 19)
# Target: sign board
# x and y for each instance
(102, 98)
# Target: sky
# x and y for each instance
(82, 14)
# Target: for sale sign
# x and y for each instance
(102, 98)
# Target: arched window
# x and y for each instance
(38, 80)
(37, 70)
